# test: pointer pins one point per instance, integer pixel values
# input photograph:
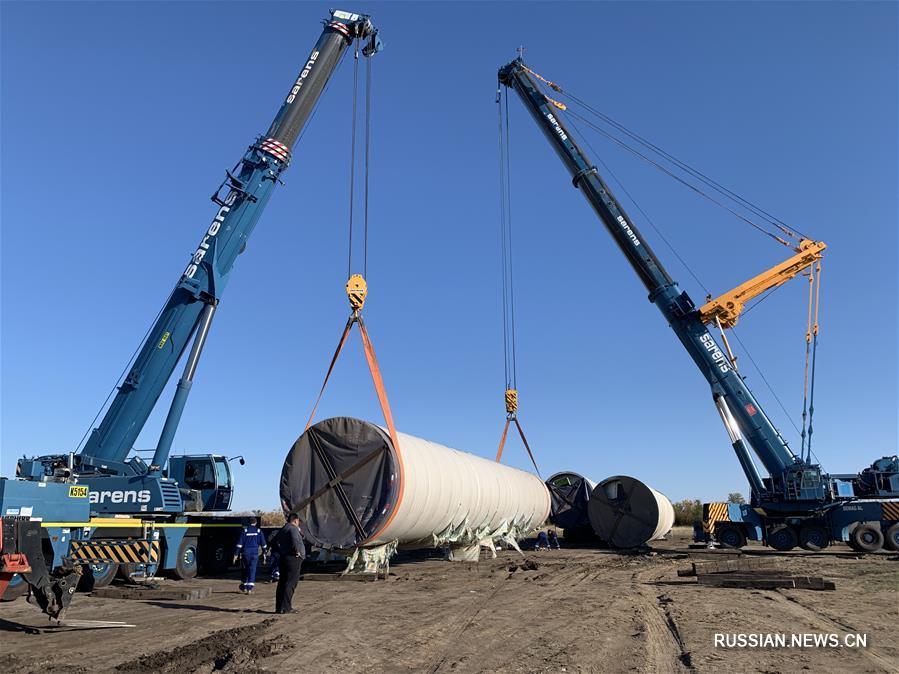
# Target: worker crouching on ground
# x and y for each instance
(249, 547)
(291, 553)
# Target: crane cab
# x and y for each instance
(205, 480)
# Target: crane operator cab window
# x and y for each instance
(222, 473)
(199, 474)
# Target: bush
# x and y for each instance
(267, 518)
(687, 511)
(271, 518)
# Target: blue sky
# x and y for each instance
(118, 120)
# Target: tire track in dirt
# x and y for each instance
(546, 643)
(829, 625)
(665, 646)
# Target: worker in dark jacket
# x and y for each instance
(291, 553)
(249, 546)
(553, 540)
(274, 562)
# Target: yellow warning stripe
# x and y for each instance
(890, 510)
(131, 552)
(717, 512)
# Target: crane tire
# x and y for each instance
(187, 561)
(96, 576)
(215, 558)
(866, 538)
(783, 538)
(813, 537)
(730, 536)
(891, 539)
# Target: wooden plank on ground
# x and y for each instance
(727, 566)
(765, 582)
(340, 576)
(159, 594)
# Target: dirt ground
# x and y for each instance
(574, 610)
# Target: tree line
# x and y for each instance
(690, 510)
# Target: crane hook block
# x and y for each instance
(511, 401)
(356, 291)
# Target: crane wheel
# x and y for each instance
(215, 558)
(187, 561)
(891, 540)
(866, 538)
(730, 536)
(783, 538)
(813, 537)
(96, 576)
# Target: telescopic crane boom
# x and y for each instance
(183, 323)
(57, 504)
(791, 479)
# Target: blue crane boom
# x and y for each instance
(121, 484)
(791, 478)
(191, 306)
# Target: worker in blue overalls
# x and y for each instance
(249, 547)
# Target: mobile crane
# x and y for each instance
(104, 506)
(797, 504)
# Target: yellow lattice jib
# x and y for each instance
(727, 307)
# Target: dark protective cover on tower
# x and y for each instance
(339, 477)
(570, 493)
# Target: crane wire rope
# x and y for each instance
(124, 371)
(690, 271)
(627, 193)
(696, 173)
(684, 166)
(349, 261)
(509, 233)
(679, 179)
(356, 286)
(811, 351)
(134, 354)
(367, 141)
(811, 401)
(508, 299)
(507, 382)
(366, 154)
(605, 166)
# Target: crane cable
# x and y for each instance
(790, 232)
(814, 274)
(356, 286)
(510, 368)
(811, 351)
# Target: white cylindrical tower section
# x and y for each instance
(353, 488)
(626, 513)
